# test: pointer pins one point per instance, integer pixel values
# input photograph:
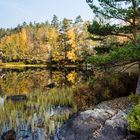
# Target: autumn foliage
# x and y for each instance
(47, 42)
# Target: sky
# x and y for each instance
(14, 12)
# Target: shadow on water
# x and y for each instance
(34, 102)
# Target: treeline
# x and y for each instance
(56, 42)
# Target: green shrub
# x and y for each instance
(134, 119)
(134, 98)
(128, 52)
(134, 115)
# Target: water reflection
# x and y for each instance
(13, 82)
(39, 111)
(33, 108)
(35, 102)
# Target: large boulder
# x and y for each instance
(114, 128)
(17, 98)
(106, 122)
(9, 135)
(82, 126)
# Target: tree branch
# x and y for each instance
(109, 16)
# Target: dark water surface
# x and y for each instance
(35, 102)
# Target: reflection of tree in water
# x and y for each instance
(26, 82)
(40, 112)
(104, 86)
(84, 91)
(13, 83)
(72, 77)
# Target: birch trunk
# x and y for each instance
(138, 83)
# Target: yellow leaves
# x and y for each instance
(52, 35)
(23, 44)
(57, 56)
(72, 37)
(8, 40)
(72, 76)
(16, 45)
(71, 34)
(72, 55)
(46, 43)
(23, 36)
(73, 42)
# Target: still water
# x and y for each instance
(35, 102)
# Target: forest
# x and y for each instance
(57, 42)
(73, 79)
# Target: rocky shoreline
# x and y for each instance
(106, 122)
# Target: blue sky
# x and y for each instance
(15, 12)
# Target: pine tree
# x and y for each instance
(78, 19)
(65, 26)
(55, 22)
(125, 11)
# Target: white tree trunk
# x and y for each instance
(138, 83)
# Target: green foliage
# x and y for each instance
(101, 30)
(78, 20)
(134, 119)
(128, 52)
(102, 50)
(115, 9)
(134, 115)
(63, 96)
(129, 15)
(55, 22)
(134, 98)
(107, 29)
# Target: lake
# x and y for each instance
(35, 102)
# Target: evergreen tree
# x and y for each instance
(126, 11)
(78, 20)
(55, 22)
(66, 24)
